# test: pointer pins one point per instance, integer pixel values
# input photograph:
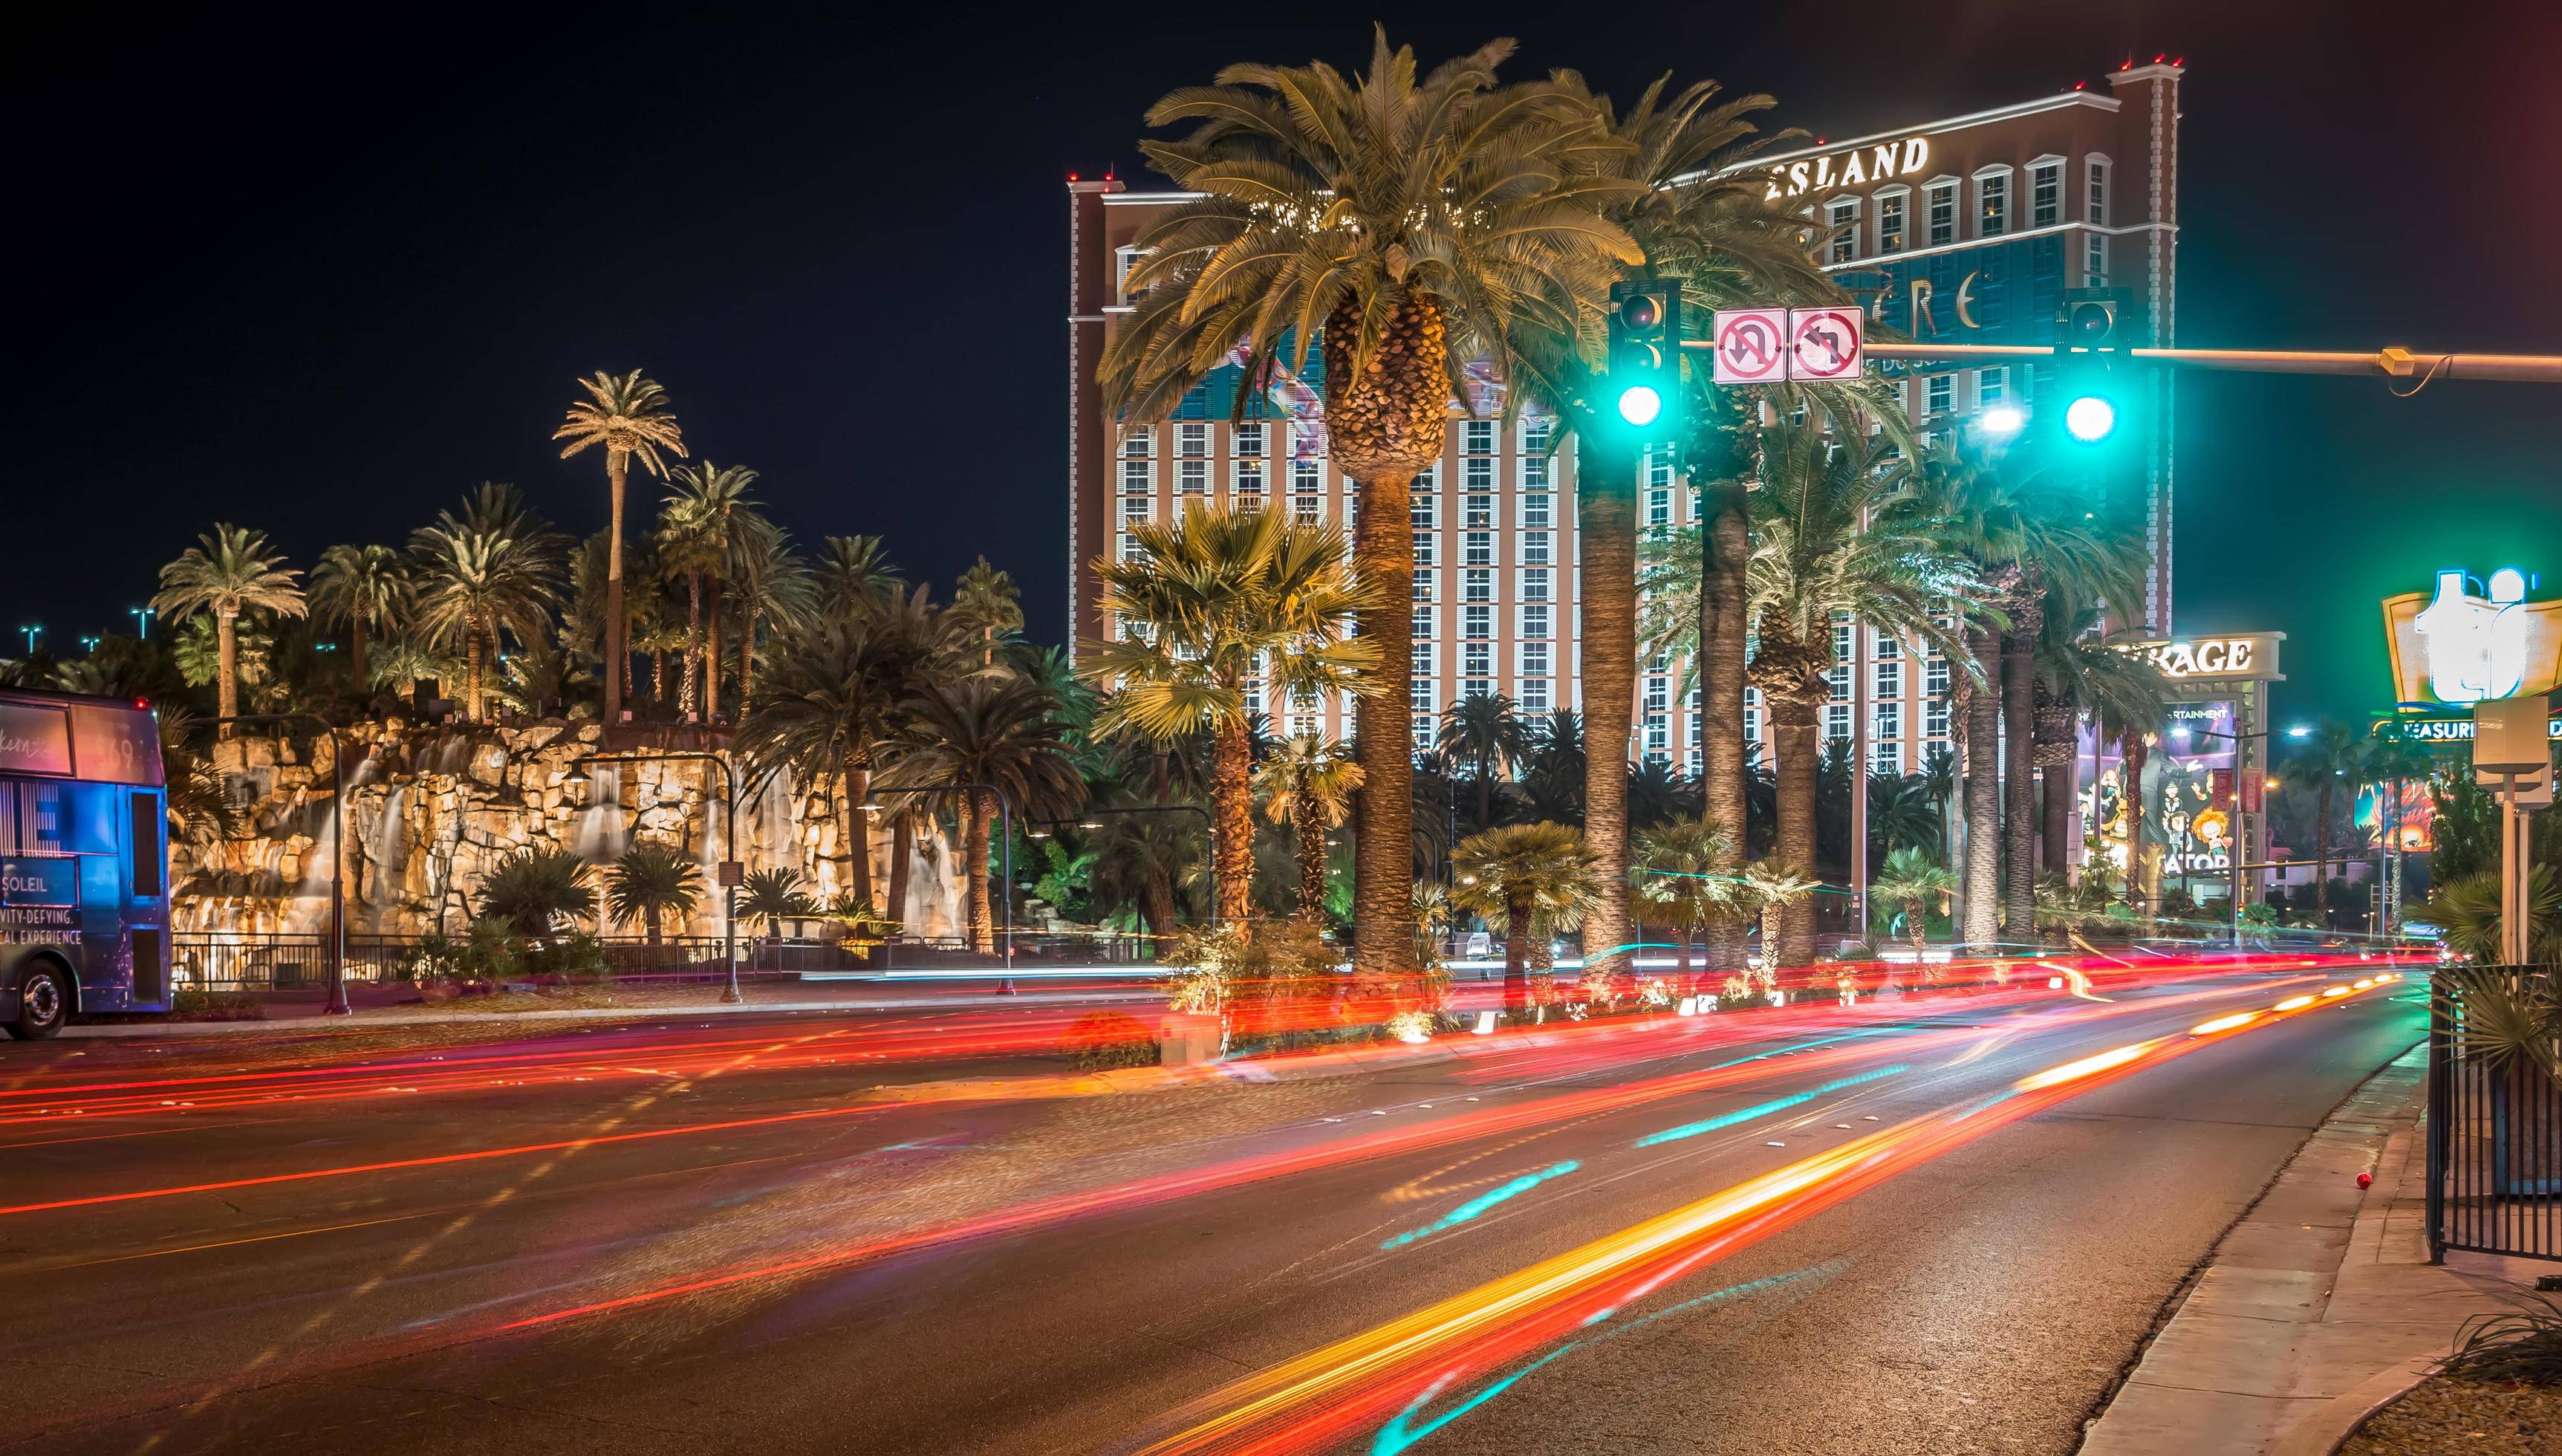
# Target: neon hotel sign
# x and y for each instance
(1856, 167)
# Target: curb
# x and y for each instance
(2324, 1432)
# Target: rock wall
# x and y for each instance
(431, 810)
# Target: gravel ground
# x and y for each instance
(2442, 1415)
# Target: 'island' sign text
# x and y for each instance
(1857, 167)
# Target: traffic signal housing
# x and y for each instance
(1645, 357)
(2091, 332)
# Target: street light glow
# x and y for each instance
(1639, 405)
(2301, 730)
(2002, 420)
(2090, 419)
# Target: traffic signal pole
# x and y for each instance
(2392, 363)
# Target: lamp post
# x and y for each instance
(729, 869)
(142, 618)
(336, 1005)
(33, 631)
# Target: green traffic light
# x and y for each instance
(1639, 405)
(2090, 419)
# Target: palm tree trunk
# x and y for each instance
(2058, 817)
(693, 688)
(1794, 734)
(711, 649)
(1983, 797)
(983, 934)
(1606, 530)
(2019, 784)
(657, 679)
(649, 921)
(1382, 736)
(1485, 794)
(227, 666)
(472, 674)
(902, 843)
(1308, 824)
(747, 658)
(858, 833)
(1516, 959)
(2130, 751)
(2321, 860)
(1233, 797)
(1722, 598)
(616, 464)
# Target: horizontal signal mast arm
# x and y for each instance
(2393, 363)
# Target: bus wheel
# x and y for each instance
(44, 1003)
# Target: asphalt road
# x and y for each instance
(716, 1236)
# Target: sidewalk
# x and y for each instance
(2319, 1306)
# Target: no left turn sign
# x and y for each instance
(1823, 343)
(1751, 346)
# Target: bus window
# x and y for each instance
(151, 858)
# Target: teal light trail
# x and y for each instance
(1482, 1202)
(1747, 1113)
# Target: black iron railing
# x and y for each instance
(2494, 1126)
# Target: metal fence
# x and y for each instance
(218, 961)
(2494, 1126)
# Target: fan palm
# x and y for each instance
(1518, 873)
(1307, 782)
(1215, 599)
(1400, 225)
(1833, 545)
(775, 896)
(534, 889)
(1914, 883)
(652, 879)
(495, 569)
(833, 700)
(628, 418)
(361, 586)
(986, 732)
(1480, 729)
(1683, 870)
(230, 571)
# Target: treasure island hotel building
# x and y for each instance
(1967, 230)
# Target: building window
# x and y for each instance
(1421, 655)
(1477, 661)
(1938, 393)
(1889, 681)
(1477, 437)
(1422, 586)
(2046, 192)
(1533, 690)
(1476, 621)
(1476, 512)
(1248, 480)
(1423, 548)
(1136, 508)
(1427, 482)
(1658, 738)
(1422, 623)
(1191, 476)
(1192, 440)
(1659, 507)
(1935, 719)
(1836, 720)
(1477, 584)
(1534, 620)
(1533, 585)
(2095, 259)
(1885, 754)
(1308, 489)
(1535, 471)
(1535, 511)
(1658, 696)
(1752, 715)
(1939, 203)
(1990, 386)
(1934, 676)
(1890, 221)
(2094, 192)
(1992, 203)
(1534, 550)
(1477, 548)
(1841, 216)
(1418, 509)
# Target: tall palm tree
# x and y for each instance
(700, 530)
(652, 879)
(1520, 871)
(1399, 224)
(1212, 602)
(1480, 729)
(229, 572)
(1307, 782)
(2079, 671)
(627, 417)
(855, 575)
(988, 731)
(1684, 869)
(362, 586)
(496, 570)
(772, 586)
(834, 698)
(2330, 761)
(988, 606)
(1833, 545)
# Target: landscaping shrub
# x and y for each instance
(1101, 1040)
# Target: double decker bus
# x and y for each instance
(84, 861)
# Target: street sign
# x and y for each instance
(733, 873)
(1823, 344)
(1751, 346)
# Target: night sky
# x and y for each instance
(319, 276)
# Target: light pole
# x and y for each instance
(90, 643)
(33, 632)
(142, 616)
(730, 870)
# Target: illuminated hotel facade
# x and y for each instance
(1967, 230)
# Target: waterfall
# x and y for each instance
(601, 834)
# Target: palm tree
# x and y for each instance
(628, 417)
(775, 896)
(1145, 861)
(1519, 871)
(2078, 671)
(1209, 603)
(1480, 729)
(649, 880)
(771, 585)
(988, 606)
(835, 698)
(1914, 883)
(495, 569)
(855, 575)
(1683, 870)
(1398, 225)
(1833, 547)
(534, 889)
(230, 572)
(361, 586)
(2330, 759)
(1307, 782)
(697, 536)
(987, 731)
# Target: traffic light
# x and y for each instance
(1645, 356)
(2091, 355)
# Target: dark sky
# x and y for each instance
(318, 275)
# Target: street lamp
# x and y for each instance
(89, 644)
(33, 632)
(142, 616)
(2002, 421)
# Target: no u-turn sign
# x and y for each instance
(1751, 346)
